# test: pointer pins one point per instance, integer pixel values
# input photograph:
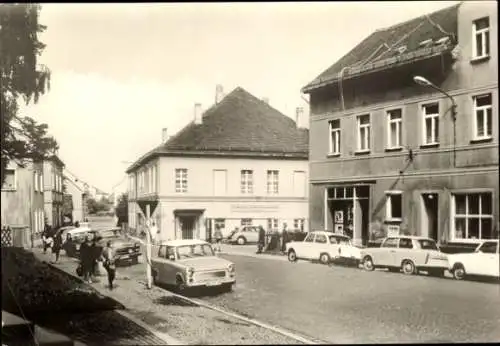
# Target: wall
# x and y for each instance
(53, 194)
(77, 196)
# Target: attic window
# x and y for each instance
(442, 40)
(401, 49)
(425, 43)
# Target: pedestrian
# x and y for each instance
(95, 254)
(77, 224)
(284, 238)
(47, 237)
(262, 239)
(108, 255)
(86, 259)
(57, 245)
(218, 238)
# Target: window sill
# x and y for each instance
(481, 140)
(430, 145)
(479, 59)
(393, 149)
(8, 190)
(362, 152)
(333, 155)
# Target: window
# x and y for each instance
(246, 222)
(363, 132)
(309, 238)
(219, 223)
(482, 117)
(180, 180)
(10, 181)
(473, 216)
(431, 124)
(272, 182)
(298, 224)
(40, 181)
(481, 38)
(427, 244)
(272, 224)
(320, 238)
(488, 247)
(334, 137)
(390, 242)
(394, 205)
(394, 129)
(36, 181)
(405, 243)
(246, 181)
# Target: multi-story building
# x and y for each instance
(53, 190)
(241, 162)
(78, 195)
(385, 150)
(22, 203)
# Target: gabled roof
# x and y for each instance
(409, 34)
(239, 125)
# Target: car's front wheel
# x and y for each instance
(324, 258)
(368, 263)
(408, 267)
(180, 286)
(292, 256)
(459, 271)
(241, 241)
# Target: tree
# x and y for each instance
(22, 78)
(121, 210)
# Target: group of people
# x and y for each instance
(91, 254)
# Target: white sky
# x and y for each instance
(122, 72)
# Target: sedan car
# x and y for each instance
(407, 253)
(325, 247)
(125, 250)
(73, 239)
(191, 263)
(484, 261)
(248, 234)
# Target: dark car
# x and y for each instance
(125, 250)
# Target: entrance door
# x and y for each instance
(188, 224)
(430, 215)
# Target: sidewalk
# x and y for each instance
(171, 317)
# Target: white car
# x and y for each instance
(324, 246)
(484, 261)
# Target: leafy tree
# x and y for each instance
(21, 79)
(96, 206)
(121, 210)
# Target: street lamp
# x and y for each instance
(425, 82)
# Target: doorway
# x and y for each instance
(430, 215)
(188, 225)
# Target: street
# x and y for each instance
(347, 305)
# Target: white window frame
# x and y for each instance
(363, 134)
(468, 216)
(388, 205)
(273, 177)
(484, 35)
(273, 224)
(299, 224)
(219, 222)
(398, 122)
(488, 123)
(434, 122)
(15, 180)
(246, 181)
(246, 222)
(335, 137)
(36, 181)
(40, 182)
(181, 180)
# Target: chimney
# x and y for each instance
(300, 118)
(197, 114)
(164, 135)
(266, 100)
(219, 93)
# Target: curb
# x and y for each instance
(169, 340)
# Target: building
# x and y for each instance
(22, 201)
(53, 190)
(385, 150)
(241, 162)
(78, 196)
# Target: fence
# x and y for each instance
(16, 236)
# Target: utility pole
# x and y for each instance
(148, 247)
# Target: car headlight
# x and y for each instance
(190, 271)
(231, 268)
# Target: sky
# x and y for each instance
(122, 72)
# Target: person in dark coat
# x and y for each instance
(86, 259)
(47, 237)
(262, 239)
(108, 254)
(57, 245)
(284, 238)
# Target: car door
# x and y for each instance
(486, 261)
(319, 246)
(304, 248)
(385, 255)
(405, 250)
(252, 234)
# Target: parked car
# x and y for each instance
(484, 261)
(248, 234)
(325, 247)
(410, 254)
(191, 263)
(78, 235)
(125, 250)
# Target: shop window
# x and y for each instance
(473, 216)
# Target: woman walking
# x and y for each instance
(57, 245)
(218, 238)
(109, 263)
(86, 260)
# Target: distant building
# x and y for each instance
(53, 190)
(387, 151)
(239, 163)
(77, 191)
(22, 201)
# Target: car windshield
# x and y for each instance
(193, 251)
(427, 244)
(107, 234)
